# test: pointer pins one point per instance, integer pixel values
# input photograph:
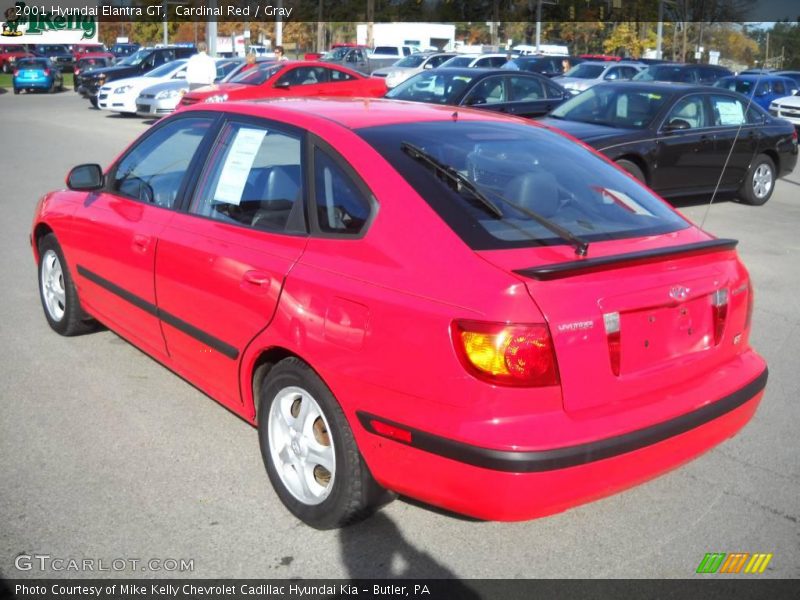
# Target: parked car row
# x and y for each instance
(64, 56)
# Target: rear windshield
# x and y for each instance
(584, 71)
(531, 167)
(390, 50)
(437, 87)
(32, 63)
(678, 74)
(613, 105)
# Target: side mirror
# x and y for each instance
(351, 58)
(282, 85)
(85, 178)
(677, 125)
(762, 91)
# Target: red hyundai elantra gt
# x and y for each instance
(461, 307)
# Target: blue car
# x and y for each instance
(767, 87)
(37, 74)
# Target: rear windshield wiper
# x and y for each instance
(462, 181)
(581, 246)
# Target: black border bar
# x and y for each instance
(586, 265)
(570, 456)
(201, 336)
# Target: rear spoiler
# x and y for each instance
(587, 265)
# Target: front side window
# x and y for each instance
(616, 106)
(491, 90)
(520, 169)
(255, 179)
(340, 205)
(304, 76)
(152, 172)
(692, 110)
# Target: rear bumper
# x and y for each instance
(507, 485)
(41, 84)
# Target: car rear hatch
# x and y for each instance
(636, 316)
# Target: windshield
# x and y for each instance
(743, 86)
(412, 61)
(257, 75)
(226, 67)
(135, 58)
(612, 105)
(49, 49)
(433, 87)
(675, 73)
(336, 54)
(538, 170)
(459, 61)
(166, 69)
(586, 71)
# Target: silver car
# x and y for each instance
(163, 98)
(586, 74)
(411, 65)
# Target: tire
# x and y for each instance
(633, 169)
(62, 309)
(16, 91)
(52, 88)
(6, 68)
(300, 421)
(759, 183)
(93, 100)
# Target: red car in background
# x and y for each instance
(465, 308)
(97, 50)
(9, 54)
(302, 78)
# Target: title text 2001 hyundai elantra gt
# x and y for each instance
(461, 307)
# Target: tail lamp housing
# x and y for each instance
(611, 324)
(507, 354)
(719, 305)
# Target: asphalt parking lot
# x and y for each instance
(105, 454)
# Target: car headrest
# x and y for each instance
(537, 192)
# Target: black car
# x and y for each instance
(514, 92)
(59, 54)
(123, 50)
(139, 63)
(683, 73)
(676, 138)
(84, 65)
(549, 66)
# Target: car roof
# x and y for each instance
(354, 113)
(661, 86)
(756, 77)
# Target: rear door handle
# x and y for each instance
(256, 278)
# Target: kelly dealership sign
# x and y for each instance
(26, 23)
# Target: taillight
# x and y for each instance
(719, 305)
(47, 72)
(77, 71)
(506, 354)
(794, 135)
(611, 323)
(16, 72)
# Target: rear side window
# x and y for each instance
(341, 206)
(525, 88)
(154, 169)
(254, 178)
